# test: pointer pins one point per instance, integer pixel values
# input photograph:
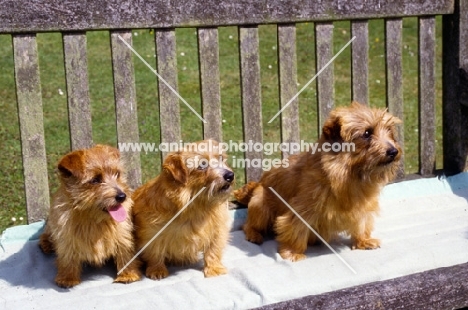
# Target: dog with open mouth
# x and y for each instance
(90, 216)
(183, 212)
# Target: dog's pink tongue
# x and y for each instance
(118, 213)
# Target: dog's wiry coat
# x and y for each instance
(203, 227)
(80, 228)
(334, 192)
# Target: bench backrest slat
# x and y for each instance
(287, 72)
(360, 61)
(251, 95)
(325, 80)
(394, 74)
(29, 98)
(427, 99)
(208, 55)
(169, 110)
(125, 102)
(76, 74)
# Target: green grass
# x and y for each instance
(12, 201)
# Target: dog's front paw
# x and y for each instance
(213, 271)
(67, 282)
(128, 277)
(366, 244)
(253, 236)
(44, 243)
(294, 257)
(157, 272)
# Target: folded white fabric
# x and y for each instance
(423, 225)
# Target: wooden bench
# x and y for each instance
(24, 19)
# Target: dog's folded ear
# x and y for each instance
(175, 166)
(72, 164)
(332, 128)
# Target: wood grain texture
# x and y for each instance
(360, 61)
(287, 71)
(427, 110)
(442, 288)
(76, 74)
(169, 109)
(393, 50)
(455, 89)
(54, 15)
(208, 57)
(125, 102)
(325, 80)
(251, 95)
(29, 98)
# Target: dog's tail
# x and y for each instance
(244, 194)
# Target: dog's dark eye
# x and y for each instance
(96, 180)
(368, 133)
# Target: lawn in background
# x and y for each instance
(12, 200)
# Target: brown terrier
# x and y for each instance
(89, 220)
(334, 192)
(181, 234)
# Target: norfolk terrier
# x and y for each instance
(185, 211)
(334, 192)
(90, 219)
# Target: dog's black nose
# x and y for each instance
(229, 176)
(392, 152)
(120, 197)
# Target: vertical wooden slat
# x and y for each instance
(325, 85)
(288, 84)
(208, 55)
(393, 48)
(76, 70)
(125, 102)
(455, 89)
(29, 98)
(360, 61)
(251, 95)
(427, 95)
(169, 110)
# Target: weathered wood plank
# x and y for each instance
(208, 56)
(169, 109)
(251, 95)
(325, 80)
(442, 288)
(455, 89)
(427, 129)
(55, 15)
(393, 50)
(125, 102)
(28, 93)
(76, 73)
(287, 61)
(360, 61)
